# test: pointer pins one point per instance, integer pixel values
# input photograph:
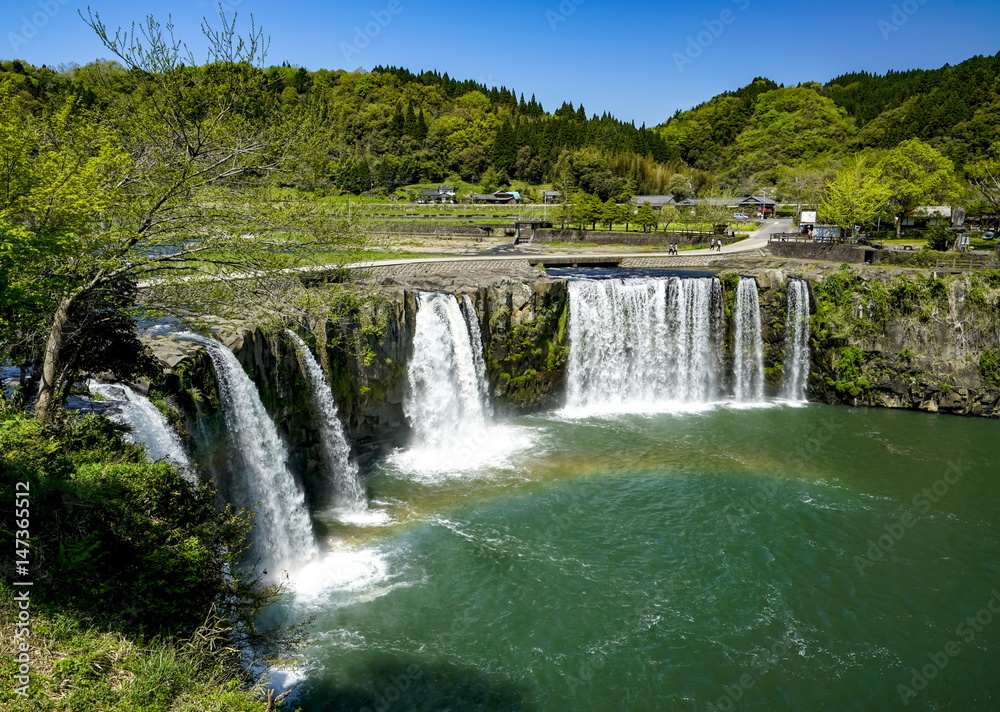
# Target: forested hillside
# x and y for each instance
(377, 131)
(795, 137)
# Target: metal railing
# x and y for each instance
(798, 237)
(966, 263)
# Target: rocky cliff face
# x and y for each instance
(522, 321)
(908, 339)
(891, 338)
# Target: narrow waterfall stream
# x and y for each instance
(748, 348)
(643, 343)
(478, 359)
(147, 425)
(796, 363)
(348, 492)
(444, 400)
(282, 534)
(447, 404)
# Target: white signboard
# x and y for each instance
(807, 216)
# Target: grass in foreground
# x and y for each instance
(77, 666)
(140, 601)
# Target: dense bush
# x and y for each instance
(940, 238)
(113, 532)
(139, 599)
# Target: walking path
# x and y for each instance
(525, 257)
(537, 255)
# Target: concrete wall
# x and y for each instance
(821, 251)
(627, 238)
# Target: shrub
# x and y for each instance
(989, 368)
(940, 238)
(122, 540)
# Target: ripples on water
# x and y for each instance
(655, 561)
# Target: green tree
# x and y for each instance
(611, 213)
(174, 174)
(680, 187)
(490, 180)
(789, 126)
(940, 238)
(917, 174)
(984, 175)
(857, 195)
(668, 213)
(587, 209)
(712, 209)
(646, 217)
(57, 176)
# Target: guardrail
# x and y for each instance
(798, 237)
(966, 263)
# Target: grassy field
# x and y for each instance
(383, 211)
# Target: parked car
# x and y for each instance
(739, 216)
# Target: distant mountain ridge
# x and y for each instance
(391, 127)
(739, 134)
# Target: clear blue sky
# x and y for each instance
(639, 60)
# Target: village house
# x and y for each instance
(501, 197)
(441, 194)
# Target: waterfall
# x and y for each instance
(282, 532)
(748, 347)
(447, 402)
(147, 425)
(444, 405)
(348, 490)
(796, 369)
(642, 343)
(478, 359)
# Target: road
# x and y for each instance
(535, 254)
(755, 241)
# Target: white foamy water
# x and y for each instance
(361, 517)
(748, 346)
(147, 425)
(796, 363)
(342, 472)
(443, 405)
(341, 577)
(478, 356)
(9, 378)
(282, 533)
(486, 450)
(447, 403)
(643, 345)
